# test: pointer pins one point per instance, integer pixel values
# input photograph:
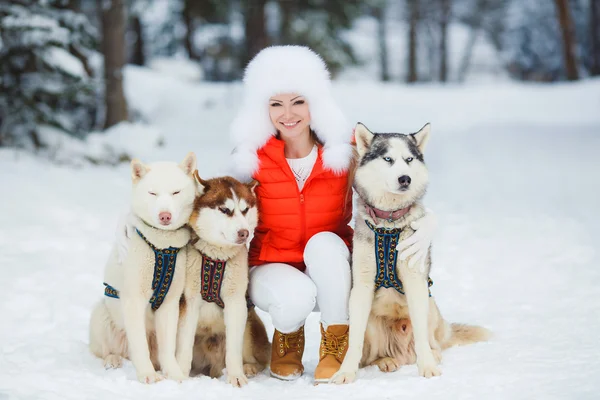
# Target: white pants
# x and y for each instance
(290, 295)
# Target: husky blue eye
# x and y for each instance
(408, 160)
(387, 159)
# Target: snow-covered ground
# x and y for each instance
(514, 180)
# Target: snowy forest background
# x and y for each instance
(61, 61)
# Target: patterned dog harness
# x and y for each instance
(386, 241)
(212, 275)
(164, 269)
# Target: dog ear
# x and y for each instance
(422, 137)
(138, 170)
(252, 186)
(201, 184)
(363, 137)
(188, 165)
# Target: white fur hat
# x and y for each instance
(288, 69)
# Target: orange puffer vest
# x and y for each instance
(288, 217)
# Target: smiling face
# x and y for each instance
(290, 115)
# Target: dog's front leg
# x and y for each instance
(361, 299)
(166, 320)
(134, 310)
(417, 297)
(235, 315)
(186, 333)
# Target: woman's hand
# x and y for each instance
(416, 246)
(124, 233)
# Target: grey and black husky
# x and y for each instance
(393, 319)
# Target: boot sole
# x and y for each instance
(285, 378)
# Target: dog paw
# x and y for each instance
(185, 371)
(343, 377)
(237, 380)
(150, 377)
(387, 364)
(251, 370)
(429, 370)
(113, 361)
(175, 375)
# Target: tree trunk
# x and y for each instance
(188, 39)
(595, 36)
(568, 35)
(412, 75)
(466, 58)
(113, 47)
(256, 34)
(445, 11)
(379, 14)
(138, 57)
(287, 11)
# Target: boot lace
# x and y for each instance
(291, 341)
(333, 344)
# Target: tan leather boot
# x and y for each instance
(286, 355)
(334, 345)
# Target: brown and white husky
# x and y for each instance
(217, 329)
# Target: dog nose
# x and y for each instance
(243, 234)
(165, 217)
(404, 181)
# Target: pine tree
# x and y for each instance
(45, 76)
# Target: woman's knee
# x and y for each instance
(287, 294)
(325, 246)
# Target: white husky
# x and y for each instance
(393, 319)
(216, 328)
(137, 318)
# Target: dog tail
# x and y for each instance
(462, 334)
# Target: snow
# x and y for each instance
(514, 183)
(61, 59)
(112, 146)
(181, 68)
(36, 30)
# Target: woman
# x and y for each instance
(294, 140)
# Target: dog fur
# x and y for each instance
(210, 337)
(127, 327)
(389, 329)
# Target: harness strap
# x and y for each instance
(164, 269)
(212, 274)
(386, 241)
(110, 291)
